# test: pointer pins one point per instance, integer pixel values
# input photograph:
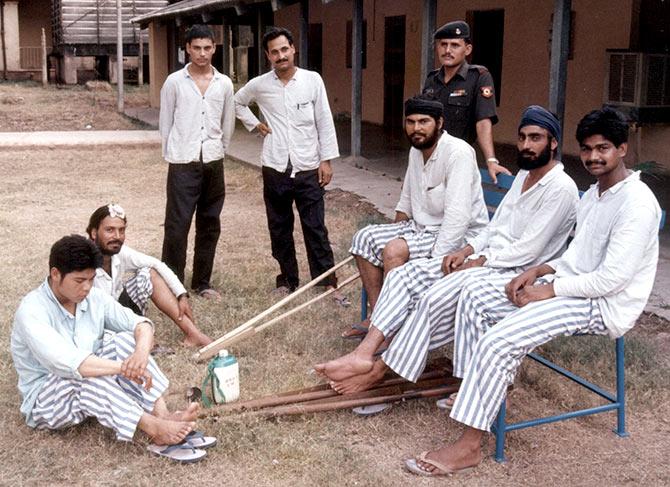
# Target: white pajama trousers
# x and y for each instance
(369, 242)
(423, 314)
(493, 336)
(115, 401)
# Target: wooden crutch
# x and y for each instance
(210, 350)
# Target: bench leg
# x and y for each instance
(620, 390)
(500, 432)
(364, 304)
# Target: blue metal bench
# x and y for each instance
(493, 195)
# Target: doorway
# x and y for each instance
(394, 74)
(487, 34)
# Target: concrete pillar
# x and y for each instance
(158, 61)
(427, 29)
(560, 48)
(356, 77)
(68, 67)
(12, 52)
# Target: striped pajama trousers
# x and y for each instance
(139, 289)
(487, 356)
(369, 242)
(420, 305)
(115, 401)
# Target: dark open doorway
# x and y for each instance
(487, 31)
(394, 74)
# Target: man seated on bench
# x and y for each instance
(132, 278)
(78, 354)
(599, 286)
(441, 203)
(418, 300)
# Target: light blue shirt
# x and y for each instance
(47, 339)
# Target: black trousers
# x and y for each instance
(280, 190)
(197, 188)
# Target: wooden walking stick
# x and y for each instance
(210, 350)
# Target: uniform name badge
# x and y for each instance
(457, 93)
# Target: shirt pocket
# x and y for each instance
(303, 112)
(520, 218)
(435, 200)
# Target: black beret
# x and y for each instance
(453, 30)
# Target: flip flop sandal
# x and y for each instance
(413, 466)
(210, 293)
(197, 439)
(161, 350)
(181, 453)
(371, 409)
(342, 301)
(380, 351)
(356, 332)
(446, 403)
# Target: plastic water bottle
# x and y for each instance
(227, 371)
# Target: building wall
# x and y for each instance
(11, 14)
(599, 25)
(33, 16)
(158, 61)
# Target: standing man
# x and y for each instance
(134, 278)
(299, 144)
(197, 120)
(441, 204)
(466, 91)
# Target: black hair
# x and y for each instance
(273, 32)
(608, 122)
(74, 253)
(97, 217)
(199, 31)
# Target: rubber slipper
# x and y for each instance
(181, 453)
(342, 301)
(413, 466)
(446, 403)
(161, 350)
(371, 409)
(197, 439)
(210, 293)
(355, 332)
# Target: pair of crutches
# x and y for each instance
(252, 326)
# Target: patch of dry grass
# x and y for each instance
(49, 193)
(26, 106)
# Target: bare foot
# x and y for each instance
(189, 414)
(458, 456)
(165, 431)
(198, 339)
(361, 382)
(346, 366)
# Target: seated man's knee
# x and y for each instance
(395, 253)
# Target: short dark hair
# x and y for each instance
(97, 217)
(608, 122)
(273, 32)
(74, 253)
(199, 31)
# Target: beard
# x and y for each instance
(527, 163)
(110, 251)
(429, 141)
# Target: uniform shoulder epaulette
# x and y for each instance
(480, 68)
(434, 72)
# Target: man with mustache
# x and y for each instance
(465, 90)
(134, 278)
(299, 143)
(441, 203)
(418, 301)
(599, 286)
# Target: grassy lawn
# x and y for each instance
(49, 193)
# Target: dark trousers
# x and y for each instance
(193, 188)
(280, 190)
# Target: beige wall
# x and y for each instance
(33, 16)
(599, 25)
(158, 61)
(11, 13)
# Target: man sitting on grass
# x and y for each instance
(599, 286)
(149, 277)
(441, 203)
(78, 354)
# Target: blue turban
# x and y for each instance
(536, 115)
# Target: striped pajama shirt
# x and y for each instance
(422, 309)
(492, 336)
(116, 402)
(369, 242)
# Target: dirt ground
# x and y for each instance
(49, 193)
(26, 106)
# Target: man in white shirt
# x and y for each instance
(441, 203)
(418, 300)
(599, 286)
(197, 119)
(133, 278)
(299, 143)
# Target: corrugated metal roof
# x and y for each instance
(186, 6)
